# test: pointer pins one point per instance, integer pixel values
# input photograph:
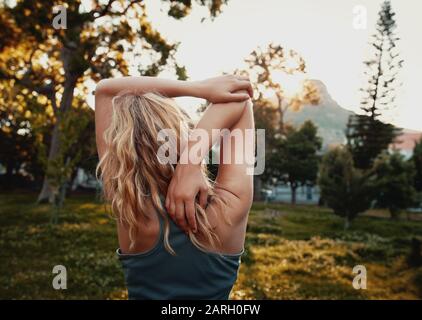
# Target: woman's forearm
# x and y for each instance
(216, 90)
(167, 87)
(208, 130)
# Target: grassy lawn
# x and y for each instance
(297, 252)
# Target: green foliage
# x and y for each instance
(367, 135)
(16, 143)
(345, 189)
(394, 183)
(179, 9)
(418, 280)
(77, 149)
(384, 67)
(263, 66)
(417, 161)
(266, 117)
(415, 257)
(367, 138)
(295, 158)
(22, 130)
(44, 62)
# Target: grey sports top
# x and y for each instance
(191, 274)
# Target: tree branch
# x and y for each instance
(106, 10)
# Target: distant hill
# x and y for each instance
(331, 120)
(328, 115)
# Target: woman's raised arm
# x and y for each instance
(215, 90)
(188, 180)
(218, 89)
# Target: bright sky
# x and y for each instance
(321, 31)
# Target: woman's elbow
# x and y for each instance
(104, 87)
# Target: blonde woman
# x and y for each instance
(181, 235)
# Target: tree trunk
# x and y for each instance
(257, 186)
(281, 112)
(346, 223)
(394, 213)
(10, 168)
(293, 188)
(46, 193)
(415, 257)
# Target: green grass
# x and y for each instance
(297, 252)
(84, 241)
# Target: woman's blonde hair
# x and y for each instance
(134, 179)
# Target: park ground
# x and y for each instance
(291, 252)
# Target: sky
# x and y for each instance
(322, 31)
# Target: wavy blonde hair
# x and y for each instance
(134, 180)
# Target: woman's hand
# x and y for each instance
(187, 182)
(224, 89)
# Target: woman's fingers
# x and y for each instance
(240, 77)
(237, 97)
(169, 193)
(171, 208)
(250, 90)
(180, 216)
(246, 85)
(190, 214)
(203, 198)
(167, 204)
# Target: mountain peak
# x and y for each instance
(327, 115)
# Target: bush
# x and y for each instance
(344, 188)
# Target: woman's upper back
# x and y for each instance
(190, 274)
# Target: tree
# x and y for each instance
(367, 135)
(78, 145)
(417, 162)
(263, 68)
(264, 65)
(394, 183)
(52, 63)
(23, 127)
(266, 118)
(344, 188)
(16, 147)
(367, 138)
(296, 157)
